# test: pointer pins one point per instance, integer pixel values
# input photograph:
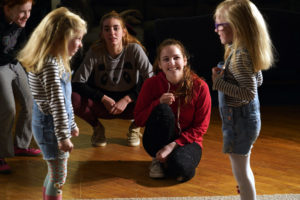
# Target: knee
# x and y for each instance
(26, 105)
(162, 109)
(180, 168)
(183, 161)
(29, 101)
(29, 105)
(161, 114)
(241, 176)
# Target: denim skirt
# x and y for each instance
(240, 125)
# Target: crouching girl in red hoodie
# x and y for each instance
(174, 106)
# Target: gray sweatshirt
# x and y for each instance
(100, 75)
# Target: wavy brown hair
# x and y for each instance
(185, 89)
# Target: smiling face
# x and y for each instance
(113, 32)
(75, 43)
(18, 14)
(224, 30)
(172, 63)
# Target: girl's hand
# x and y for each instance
(216, 73)
(65, 145)
(167, 98)
(121, 105)
(108, 103)
(162, 154)
(75, 132)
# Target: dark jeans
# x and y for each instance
(160, 131)
(90, 110)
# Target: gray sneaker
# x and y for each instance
(156, 169)
(98, 138)
(134, 135)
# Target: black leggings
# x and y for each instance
(160, 131)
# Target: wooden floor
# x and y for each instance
(119, 171)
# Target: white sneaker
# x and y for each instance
(156, 169)
(133, 135)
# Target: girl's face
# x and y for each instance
(75, 43)
(18, 14)
(223, 29)
(113, 32)
(172, 63)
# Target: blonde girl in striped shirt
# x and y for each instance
(46, 58)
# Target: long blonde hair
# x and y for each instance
(185, 89)
(51, 37)
(249, 31)
(100, 45)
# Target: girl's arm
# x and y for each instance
(144, 67)
(74, 127)
(243, 73)
(52, 85)
(163, 153)
(142, 62)
(82, 75)
(145, 103)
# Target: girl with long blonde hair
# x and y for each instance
(46, 57)
(248, 51)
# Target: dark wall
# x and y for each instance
(190, 21)
(281, 82)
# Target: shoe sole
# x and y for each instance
(156, 176)
(134, 144)
(99, 144)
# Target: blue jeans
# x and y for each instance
(241, 125)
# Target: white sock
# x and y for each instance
(244, 176)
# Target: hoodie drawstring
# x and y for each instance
(178, 110)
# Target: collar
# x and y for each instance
(162, 75)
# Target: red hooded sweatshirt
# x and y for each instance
(194, 116)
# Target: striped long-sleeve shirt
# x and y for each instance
(47, 92)
(240, 82)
